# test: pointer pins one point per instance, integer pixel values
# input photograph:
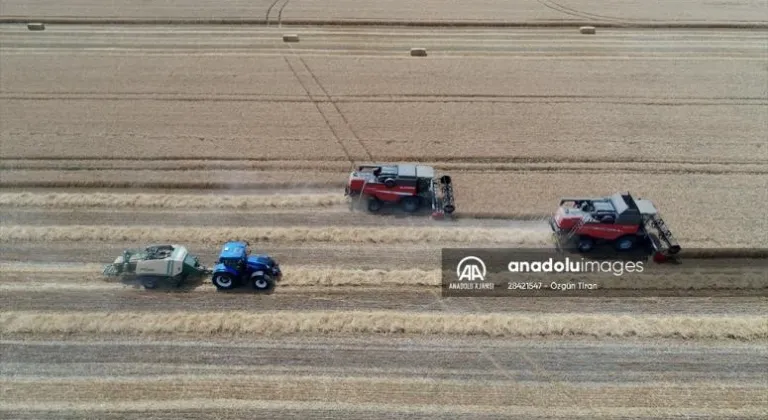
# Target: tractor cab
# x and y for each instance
(236, 266)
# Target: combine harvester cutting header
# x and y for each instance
(619, 220)
(411, 187)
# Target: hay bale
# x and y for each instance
(418, 52)
(290, 38)
(587, 30)
(36, 26)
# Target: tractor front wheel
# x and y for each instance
(223, 281)
(262, 283)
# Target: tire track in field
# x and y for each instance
(618, 22)
(322, 114)
(332, 101)
(269, 10)
(280, 13)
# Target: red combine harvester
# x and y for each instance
(620, 220)
(411, 187)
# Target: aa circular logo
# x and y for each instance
(471, 268)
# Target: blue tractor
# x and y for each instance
(236, 267)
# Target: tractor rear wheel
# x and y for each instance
(262, 283)
(374, 205)
(411, 204)
(625, 243)
(586, 244)
(223, 281)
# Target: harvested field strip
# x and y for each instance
(17, 276)
(356, 235)
(292, 276)
(385, 390)
(354, 322)
(183, 185)
(343, 167)
(48, 287)
(335, 161)
(168, 201)
(204, 179)
(60, 407)
(64, 269)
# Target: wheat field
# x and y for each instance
(121, 136)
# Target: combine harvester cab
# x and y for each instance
(620, 220)
(156, 264)
(236, 267)
(411, 187)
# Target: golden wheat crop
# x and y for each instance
(203, 179)
(400, 12)
(471, 394)
(319, 402)
(383, 322)
(306, 168)
(169, 201)
(392, 235)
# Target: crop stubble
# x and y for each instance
(401, 11)
(653, 110)
(531, 110)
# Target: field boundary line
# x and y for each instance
(280, 13)
(756, 25)
(269, 10)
